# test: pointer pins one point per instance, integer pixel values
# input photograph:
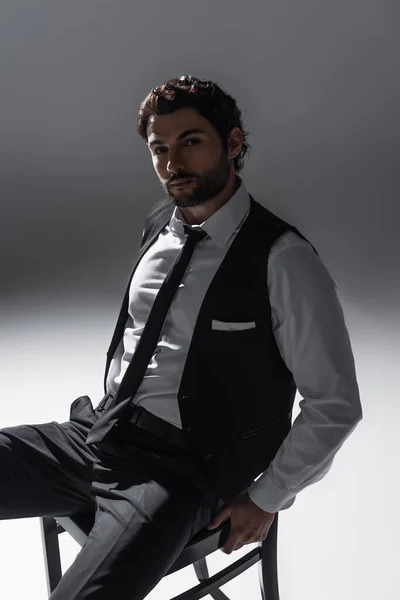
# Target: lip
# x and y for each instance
(181, 183)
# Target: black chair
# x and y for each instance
(203, 543)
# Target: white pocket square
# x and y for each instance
(232, 326)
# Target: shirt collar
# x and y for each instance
(223, 223)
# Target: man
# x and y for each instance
(221, 314)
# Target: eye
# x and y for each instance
(187, 141)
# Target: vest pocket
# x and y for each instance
(232, 325)
(258, 430)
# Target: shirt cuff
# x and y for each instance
(269, 497)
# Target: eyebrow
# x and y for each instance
(180, 136)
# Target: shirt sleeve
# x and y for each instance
(313, 340)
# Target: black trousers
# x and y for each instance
(148, 495)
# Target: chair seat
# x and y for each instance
(204, 542)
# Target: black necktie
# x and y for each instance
(148, 340)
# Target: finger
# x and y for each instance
(217, 520)
(230, 546)
(230, 549)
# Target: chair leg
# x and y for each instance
(51, 550)
(268, 565)
(201, 570)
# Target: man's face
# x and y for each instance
(198, 156)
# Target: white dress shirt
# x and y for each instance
(308, 325)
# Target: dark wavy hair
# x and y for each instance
(207, 97)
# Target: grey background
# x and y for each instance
(318, 86)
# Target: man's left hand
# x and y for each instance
(249, 522)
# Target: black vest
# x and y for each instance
(236, 394)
